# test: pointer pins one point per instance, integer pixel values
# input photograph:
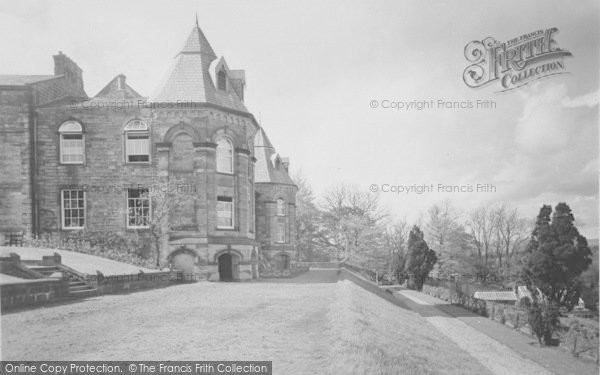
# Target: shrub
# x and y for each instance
(127, 249)
(543, 319)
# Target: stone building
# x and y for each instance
(73, 163)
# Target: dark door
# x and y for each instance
(225, 269)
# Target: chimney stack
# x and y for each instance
(63, 65)
(286, 163)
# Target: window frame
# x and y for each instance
(281, 233)
(231, 157)
(127, 199)
(223, 198)
(281, 207)
(223, 74)
(143, 130)
(63, 217)
(61, 139)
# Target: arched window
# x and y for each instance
(71, 143)
(221, 80)
(137, 142)
(280, 207)
(224, 156)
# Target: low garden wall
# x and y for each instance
(578, 336)
(134, 282)
(319, 264)
(345, 274)
(291, 272)
(32, 292)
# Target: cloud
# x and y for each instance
(555, 145)
(590, 100)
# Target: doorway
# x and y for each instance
(225, 268)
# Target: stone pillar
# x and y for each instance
(205, 165)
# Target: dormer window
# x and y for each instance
(222, 80)
(71, 143)
(137, 142)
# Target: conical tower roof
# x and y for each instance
(269, 166)
(189, 80)
(261, 140)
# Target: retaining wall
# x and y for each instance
(32, 293)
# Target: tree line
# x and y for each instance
(349, 224)
(492, 242)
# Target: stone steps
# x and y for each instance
(77, 287)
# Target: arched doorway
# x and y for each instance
(282, 261)
(225, 267)
(184, 260)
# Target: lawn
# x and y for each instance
(330, 328)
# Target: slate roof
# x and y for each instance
(189, 80)
(112, 91)
(268, 167)
(23, 80)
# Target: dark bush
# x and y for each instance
(543, 319)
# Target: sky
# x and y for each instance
(313, 69)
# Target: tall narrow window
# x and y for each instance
(225, 212)
(138, 208)
(73, 208)
(137, 142)
(224, 156)
(221, 80)
(71, 143)
(281, 232)
(280, 207)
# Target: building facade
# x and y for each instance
(117, 162)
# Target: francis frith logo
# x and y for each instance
(514, 63)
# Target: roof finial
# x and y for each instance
(197, 20)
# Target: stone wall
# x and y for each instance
(106, 176)
(267, 221)
(346, 274)
(134, 282)
(32, 292)
(15, 160)
(578, 336)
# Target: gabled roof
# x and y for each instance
(117, 89)
(189, 80)
(523, 292)
(269, 166)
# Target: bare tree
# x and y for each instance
(166, 197)
(482, 223)
(350, 219)
(307, 219)
(396, 236)
(512, 232)
(441, 221)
